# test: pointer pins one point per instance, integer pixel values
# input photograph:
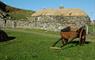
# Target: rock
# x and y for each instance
(3, 35)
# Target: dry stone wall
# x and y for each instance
(50, 23)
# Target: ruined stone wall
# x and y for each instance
(50, 23)
(56, 23)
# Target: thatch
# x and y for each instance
(62, 12)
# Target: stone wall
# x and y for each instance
(56, 23)
(50, 23)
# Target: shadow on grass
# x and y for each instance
(5, 37)
(8, 39)
(74, 44)
(77, 42)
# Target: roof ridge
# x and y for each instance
(58, 11)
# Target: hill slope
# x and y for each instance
(15, 13)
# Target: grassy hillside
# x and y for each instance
(23, 14)
(35, 45)
(15, 13)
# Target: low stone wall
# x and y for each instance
(56, 23)
(50, 23)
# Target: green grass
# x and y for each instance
(35, 45)
(21, 15)
(91, 28)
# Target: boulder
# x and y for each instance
(3, 36)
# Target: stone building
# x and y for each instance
(56, 19)
(51, 20)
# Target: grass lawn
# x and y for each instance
(35, 45)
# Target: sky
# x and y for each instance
(87, 6)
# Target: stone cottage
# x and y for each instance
(56, 19)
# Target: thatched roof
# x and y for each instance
(62, 12)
